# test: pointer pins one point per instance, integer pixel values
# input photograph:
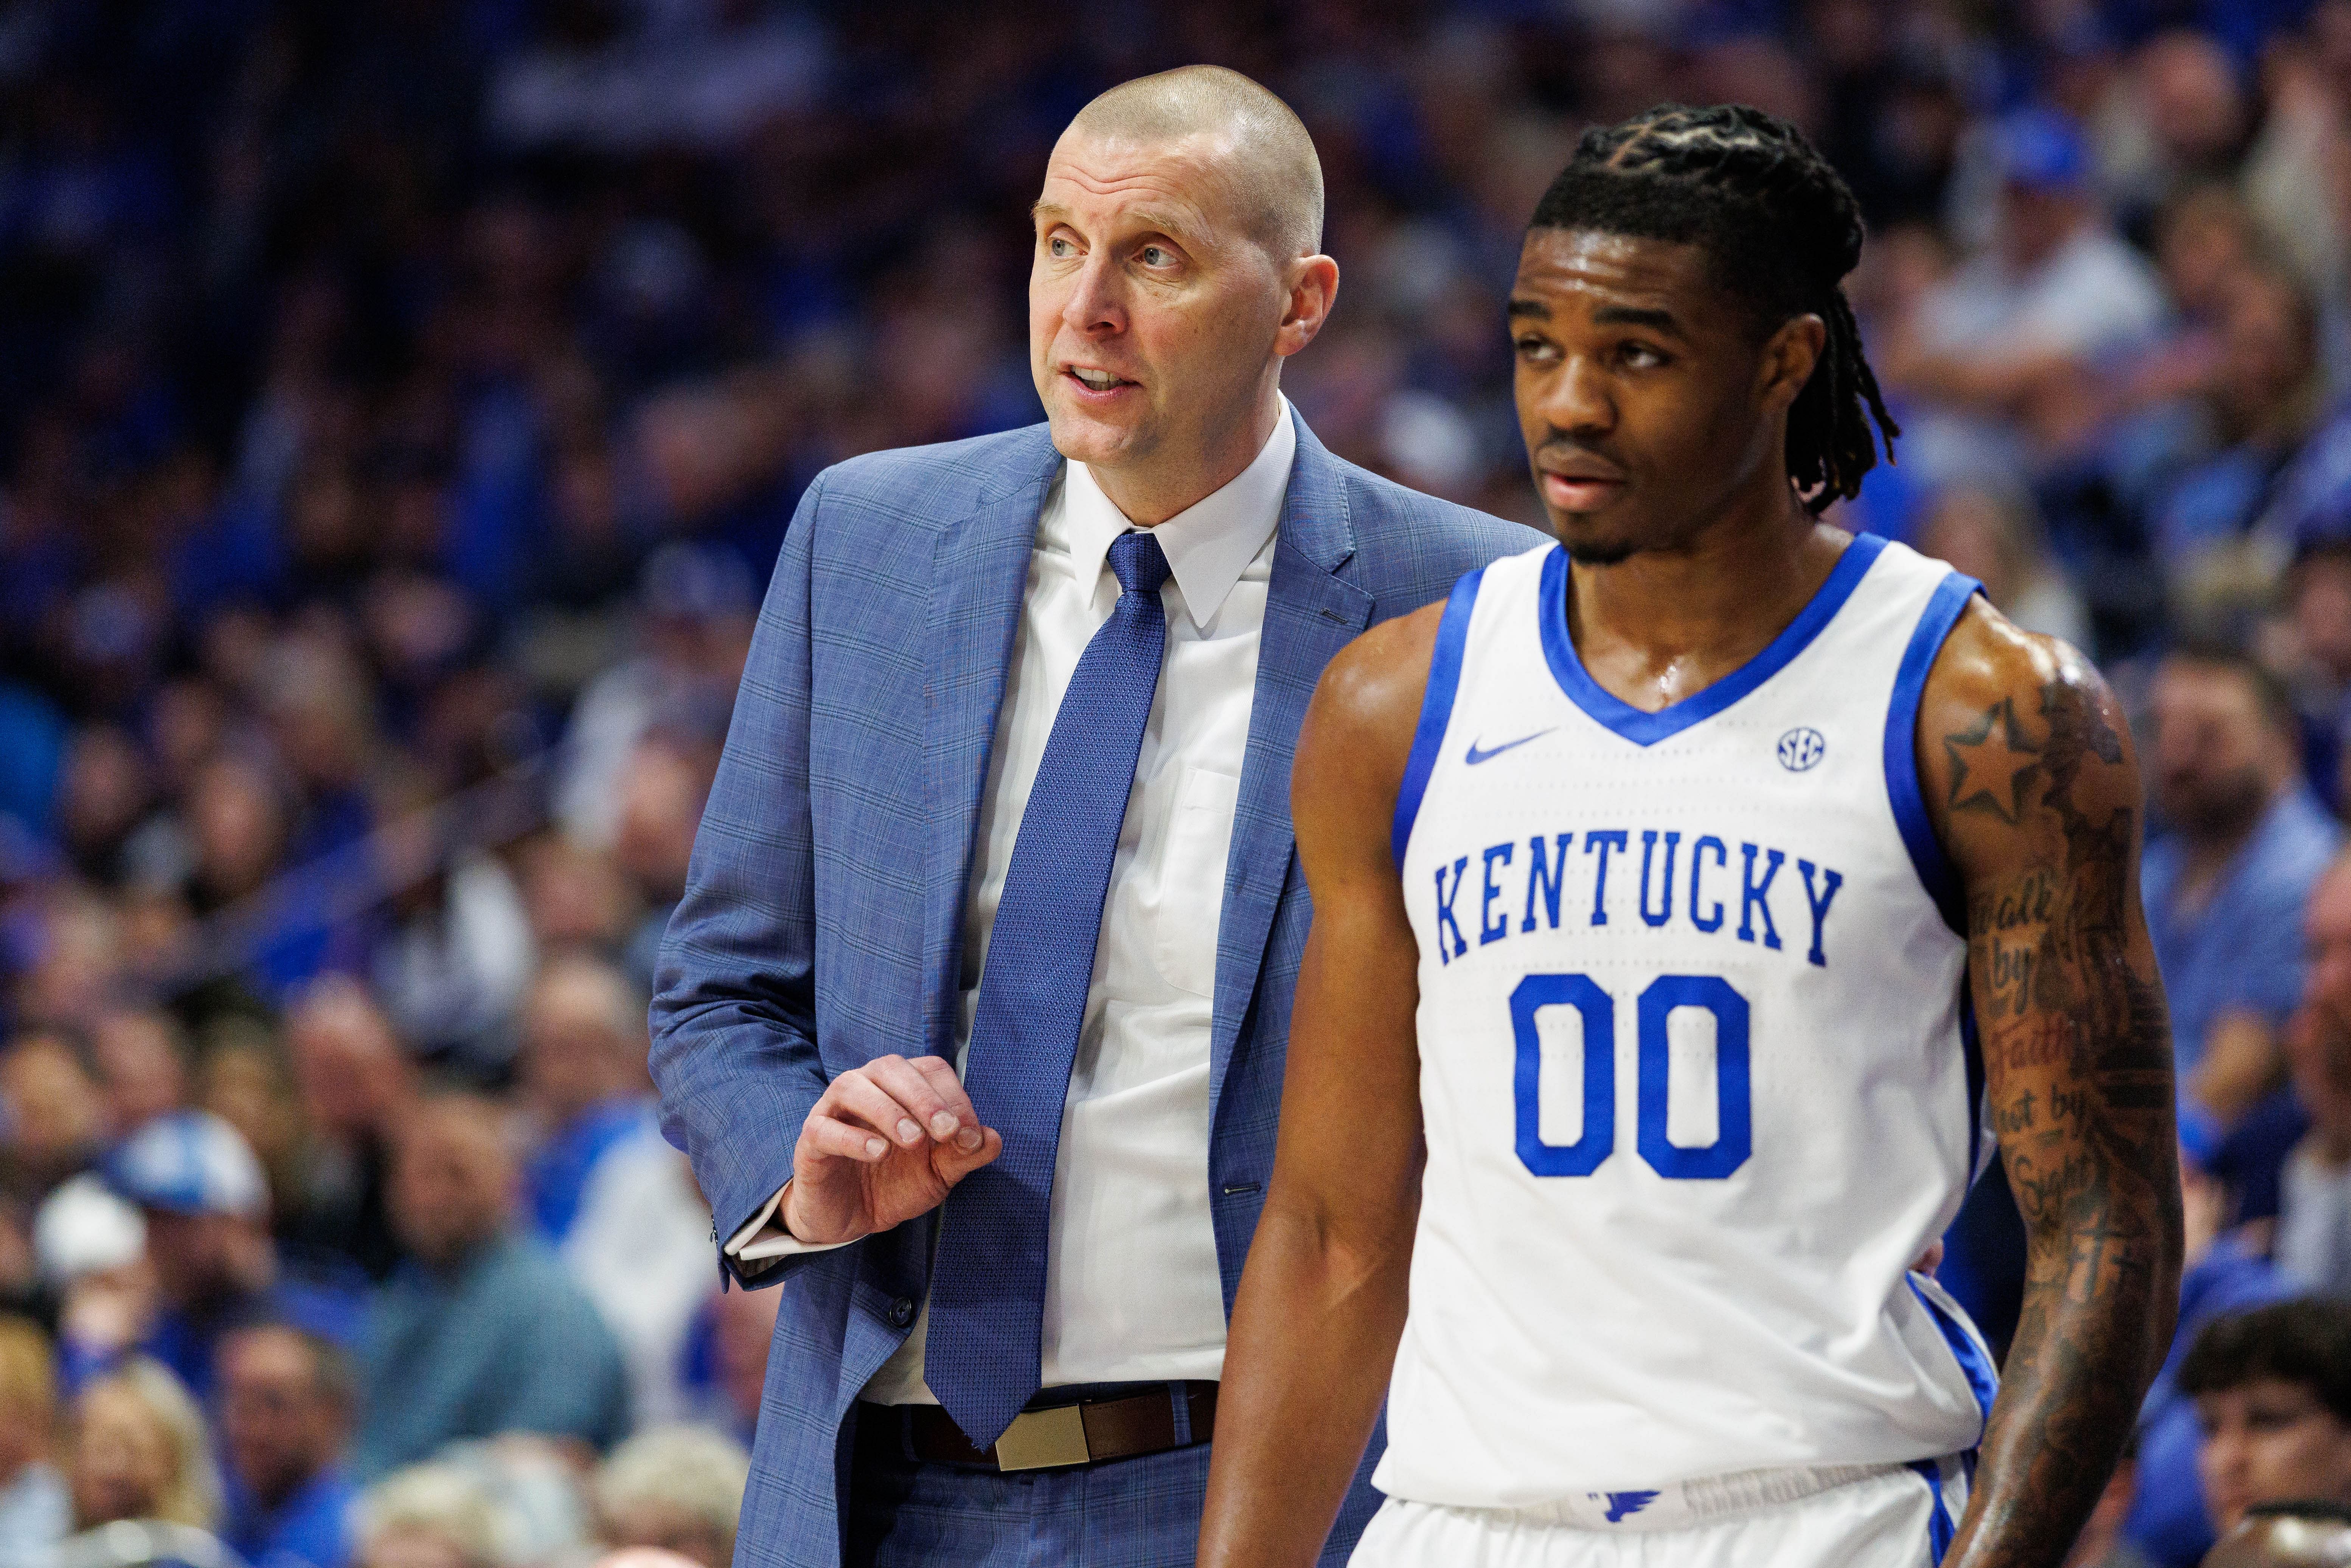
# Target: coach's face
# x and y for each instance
(1647, 398)
(1158, 318)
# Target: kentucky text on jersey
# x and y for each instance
(1515, 892)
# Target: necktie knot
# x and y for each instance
(1138, 562)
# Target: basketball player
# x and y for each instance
(1664, 884)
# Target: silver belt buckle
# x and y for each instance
(1043, 1439)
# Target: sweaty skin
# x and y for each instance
(1655, 422)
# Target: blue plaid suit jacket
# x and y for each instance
(822, 918)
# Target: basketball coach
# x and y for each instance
(1007, 786)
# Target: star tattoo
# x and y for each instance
(1991, 762)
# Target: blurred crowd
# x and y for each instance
(402, 408)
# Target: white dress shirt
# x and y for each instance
(1132, 1287)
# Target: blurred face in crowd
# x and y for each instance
(2269, 1441)
(49, 1106)
(119, 1462)
(1158, 318)
(2206, 240)
(2219, 760)
(2322, 613)
(139, 1063)
(1646, 401)
(578, 1047)
(2036, 220)
(452, 1180)
(281, 1422)
(662, 796)
(238, 826)
(2326, 925)
(348, 1068)
(200, 1259)
(2268, 348)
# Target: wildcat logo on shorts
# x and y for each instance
(1802, 747)
(1621, 1503)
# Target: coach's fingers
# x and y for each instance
(843, 1140)
(953, 1162)
(943, 1082)
(857, 1096)
(915, 1090)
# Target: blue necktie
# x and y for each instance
(987, 1283)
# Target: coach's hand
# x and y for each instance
(883, 1144)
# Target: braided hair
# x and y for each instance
(1781, 229)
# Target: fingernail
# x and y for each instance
(942, 1124)
(874, 1147)
(968, 1139)
(907, 1130)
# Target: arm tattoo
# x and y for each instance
(2075, 1030)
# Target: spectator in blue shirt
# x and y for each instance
(2225, 886)
(206, 1208)
(285, 1410)
(482, 1332)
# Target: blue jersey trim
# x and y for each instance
(1939, 1528)
(1648, 729)
(1435, 707)
(1975, 1362)
(1935, 623)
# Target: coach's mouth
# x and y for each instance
(1093, 384)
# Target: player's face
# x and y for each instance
(2269, 1441)
(1151, 311)
(1642, 391)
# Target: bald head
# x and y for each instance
(1264, 151)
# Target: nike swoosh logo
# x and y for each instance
(1474, 757)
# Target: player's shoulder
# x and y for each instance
(1988, 659)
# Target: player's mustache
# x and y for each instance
(1559, 446)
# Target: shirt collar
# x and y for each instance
(1209, 543)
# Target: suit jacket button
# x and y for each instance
(901, 1312)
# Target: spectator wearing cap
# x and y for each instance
(206, 1208)
(35, 1512)
(2008, 335)
(286, 1403)
(481, 1331)
(2225, 886)
(2167, 1524)
(2273, 1393)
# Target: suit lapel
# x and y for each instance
(1310, 614)
(979, 580)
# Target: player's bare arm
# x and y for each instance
(2027, 766)
(1322, 1303)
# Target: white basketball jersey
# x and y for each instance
(1695, 1070)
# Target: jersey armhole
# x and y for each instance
(1435, 708)
(1942, 612)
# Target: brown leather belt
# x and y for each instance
(1090, 1432)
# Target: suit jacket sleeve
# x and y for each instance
(733, 1021)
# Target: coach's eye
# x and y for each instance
(1059, 246)
(1157, 255)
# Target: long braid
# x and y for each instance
(1782, 230)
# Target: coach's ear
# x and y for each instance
(1787, 363)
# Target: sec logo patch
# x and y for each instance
(1802, 747)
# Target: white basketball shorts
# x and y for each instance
(1899, 1516)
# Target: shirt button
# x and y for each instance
(901, 1312)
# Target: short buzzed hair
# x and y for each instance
(1277, 171)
